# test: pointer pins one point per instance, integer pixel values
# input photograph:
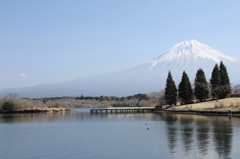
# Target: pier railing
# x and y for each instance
(123, 110)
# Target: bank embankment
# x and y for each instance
(222, 107)
(203, 112)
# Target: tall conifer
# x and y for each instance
(215, 80)
(185, 89)
(224, 80)
(170, 91)
(200, 91)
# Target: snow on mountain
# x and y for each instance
(192, 50)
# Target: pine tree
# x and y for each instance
(185, 90)
(224, 80)
(200, 91)
(215, 80)
(170, 91)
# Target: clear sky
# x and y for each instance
(50, 41)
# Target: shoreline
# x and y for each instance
(37, 110)
(202, 112)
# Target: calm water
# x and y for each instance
(107, 136)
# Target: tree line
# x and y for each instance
(219, 86)
(138, 96)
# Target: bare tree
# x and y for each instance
(209, 90)
(50, 104)
(132, 102)
(11, 96)
(144, 103)
(157, 97)
(236, 88)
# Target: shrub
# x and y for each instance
(8, 105)
(57, 105)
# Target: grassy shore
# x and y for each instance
(226, 104)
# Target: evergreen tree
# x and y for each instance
(200, 91)
(224, 80)
(8, 105)
(170, 91)
(215, 80)
(185, 90)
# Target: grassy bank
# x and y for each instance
(232, 104)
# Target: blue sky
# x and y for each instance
(44, 41)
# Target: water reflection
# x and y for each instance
(203, 130)
(216, 131)
(32, 117)
(210, 137)
(222, 131)
(79, 117)
(187, 133)
(172, 130)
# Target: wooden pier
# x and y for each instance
(123, 110)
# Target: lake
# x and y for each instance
(81, 135)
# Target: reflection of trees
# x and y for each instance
(33, 117)
(8, 119)
(203, 136)
(76, 117)
(221, 128)
(171, 120)
(187, 133)
(222, 136)
(157, 116)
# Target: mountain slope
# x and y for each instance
(145, 78)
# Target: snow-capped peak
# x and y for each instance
(186, 51)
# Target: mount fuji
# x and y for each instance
(186, 56)
(185, 52)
